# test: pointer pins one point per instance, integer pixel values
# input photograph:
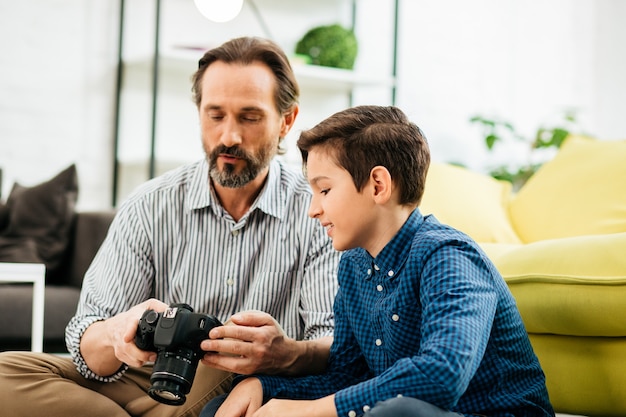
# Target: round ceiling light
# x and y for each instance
(219, 10)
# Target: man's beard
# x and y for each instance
(228, 177)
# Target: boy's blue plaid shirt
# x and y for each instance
(429, 318)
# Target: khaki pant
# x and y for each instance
(37, 384)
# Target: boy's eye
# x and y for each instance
(325, 191)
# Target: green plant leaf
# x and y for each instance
(558, 136)
(491, 140)
(495, 131)
(508, 126)
(548, 138)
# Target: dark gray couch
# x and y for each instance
(87, 233)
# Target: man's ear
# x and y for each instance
(380, 179)
(289, 118)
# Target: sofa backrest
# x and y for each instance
(90, 229)
(474, 203)
(581, 191)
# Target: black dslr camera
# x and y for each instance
(175, 335)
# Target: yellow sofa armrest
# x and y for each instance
(571, 286)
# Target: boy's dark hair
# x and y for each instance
(246, 50)
(362, 137)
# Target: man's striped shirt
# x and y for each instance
(172, 240)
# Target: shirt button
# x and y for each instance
(379, 287)
(369, 272)
(395, 317)
(379, 342)
(351, 413)
(376, 267)
(366, 408)
(390, 273)
(234, 232)
(230, 281)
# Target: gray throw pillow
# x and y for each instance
(42, 214)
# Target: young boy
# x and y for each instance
(424, 323)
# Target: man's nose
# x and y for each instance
(231, 133)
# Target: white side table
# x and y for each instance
(35, 274)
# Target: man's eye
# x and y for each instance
(252, 119)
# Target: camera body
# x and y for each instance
(175, 335)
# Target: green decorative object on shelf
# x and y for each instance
(329, 46)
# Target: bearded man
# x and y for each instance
(228, 235)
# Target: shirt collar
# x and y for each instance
(200, 188)
(271, 200)
(395, 253)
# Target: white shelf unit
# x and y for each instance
(157, 123)
(336, 80)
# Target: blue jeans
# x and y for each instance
(394, 407)
(210, 409)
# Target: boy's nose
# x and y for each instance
(314, 209)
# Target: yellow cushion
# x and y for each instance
(584, 375)
(581, 191)
(468, 201)
(571, 286)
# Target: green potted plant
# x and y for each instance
(330, 46)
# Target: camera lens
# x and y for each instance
(167, 393)
(173, 375)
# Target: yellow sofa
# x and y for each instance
(560, 244)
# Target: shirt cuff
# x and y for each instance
(356, 400)
(74, 333)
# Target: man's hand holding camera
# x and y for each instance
(251, 342)
(107, 344)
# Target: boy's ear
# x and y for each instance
(380, 179)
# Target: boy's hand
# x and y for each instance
(243, 400)
(324, 407)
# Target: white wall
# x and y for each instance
(523, 61)
(609, 69)
(57, 69)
